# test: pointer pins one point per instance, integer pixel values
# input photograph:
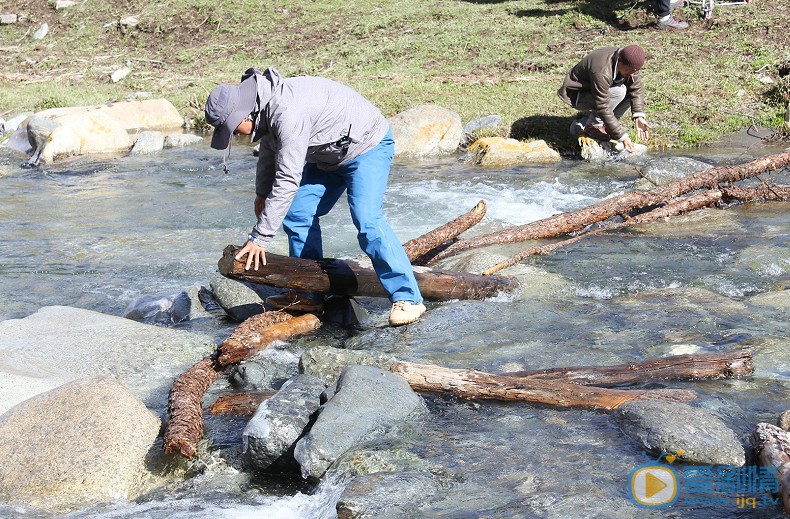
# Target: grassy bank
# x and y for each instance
(473, 57)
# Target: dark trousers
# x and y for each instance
(662, 8)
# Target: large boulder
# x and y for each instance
(498, 151)
(366, 399)
(693, 434)
(61, 344)
(426, 130)
(78, 444)
(104, 128)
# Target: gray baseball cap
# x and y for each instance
(226, 108)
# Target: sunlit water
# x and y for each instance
(96, 234)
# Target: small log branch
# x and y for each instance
(231, 353)
(674, 208)
(185, 427)
(421, 250)
(240, 404)
(575, 221)
(702, 366)
(469, 383)
(343, 277)
(772, 449)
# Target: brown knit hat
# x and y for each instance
(632, 56)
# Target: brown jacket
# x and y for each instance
(595, 73)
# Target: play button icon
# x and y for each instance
(653, 486)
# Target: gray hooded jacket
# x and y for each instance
(302, 119)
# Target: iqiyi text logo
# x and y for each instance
(653, 485)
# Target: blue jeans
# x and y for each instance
(365, 179)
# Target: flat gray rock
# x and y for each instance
(365, 399)
(328, 363)
(690, 433)
(78, 444)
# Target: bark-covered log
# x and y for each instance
(240, 404)
(772, 449)
(231, 353)
(185, 406)
(469, 383)
(673, 208)
(249, 334)
(345, 277)
(575, 221)
(185, 427)
(421, 250)
(701, 366)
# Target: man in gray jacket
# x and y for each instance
(319, 139)
(604, 85)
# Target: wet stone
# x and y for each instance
(328, 363)
(366, 399)
(690, 433)
(270, 436)
(386, 495)
(237, 299)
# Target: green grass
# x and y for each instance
(474, 57)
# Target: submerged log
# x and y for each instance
(469, 383)
(240, 404)
(421, 250)
(231, 352)
(575, 221)
(772, 449)
(185, 427)
(345, 277)
(710, 366)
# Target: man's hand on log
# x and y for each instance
(254, 254)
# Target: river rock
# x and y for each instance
(365, 399)
(271, 434)
(675, 428)
(426, 130)
(498, 151)
(238, 300)
(666, 169)
(592, 149)
(10, 125)
(188, 305)
(180, 140)
(17, 388)
(150, 309)
(81, 443)
(328, 363)
(268, 370)
(7, 19)
(488, 121)
(344, 311)
(386, 495)
(62, 343)
(148, 142)
(39, 134)
(105, 128)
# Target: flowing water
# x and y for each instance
(98, 233)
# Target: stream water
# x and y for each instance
(99, 233)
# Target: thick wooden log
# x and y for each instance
(231, 353)
(248, 335)
(469, 383)
(345, 277)
(185, 427)
(240, 404)
(772, 449)
(702, 366)
(421, 250)
(575, 221)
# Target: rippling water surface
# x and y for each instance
(97, 234)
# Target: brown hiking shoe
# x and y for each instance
(294, 301)
(404, 312)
